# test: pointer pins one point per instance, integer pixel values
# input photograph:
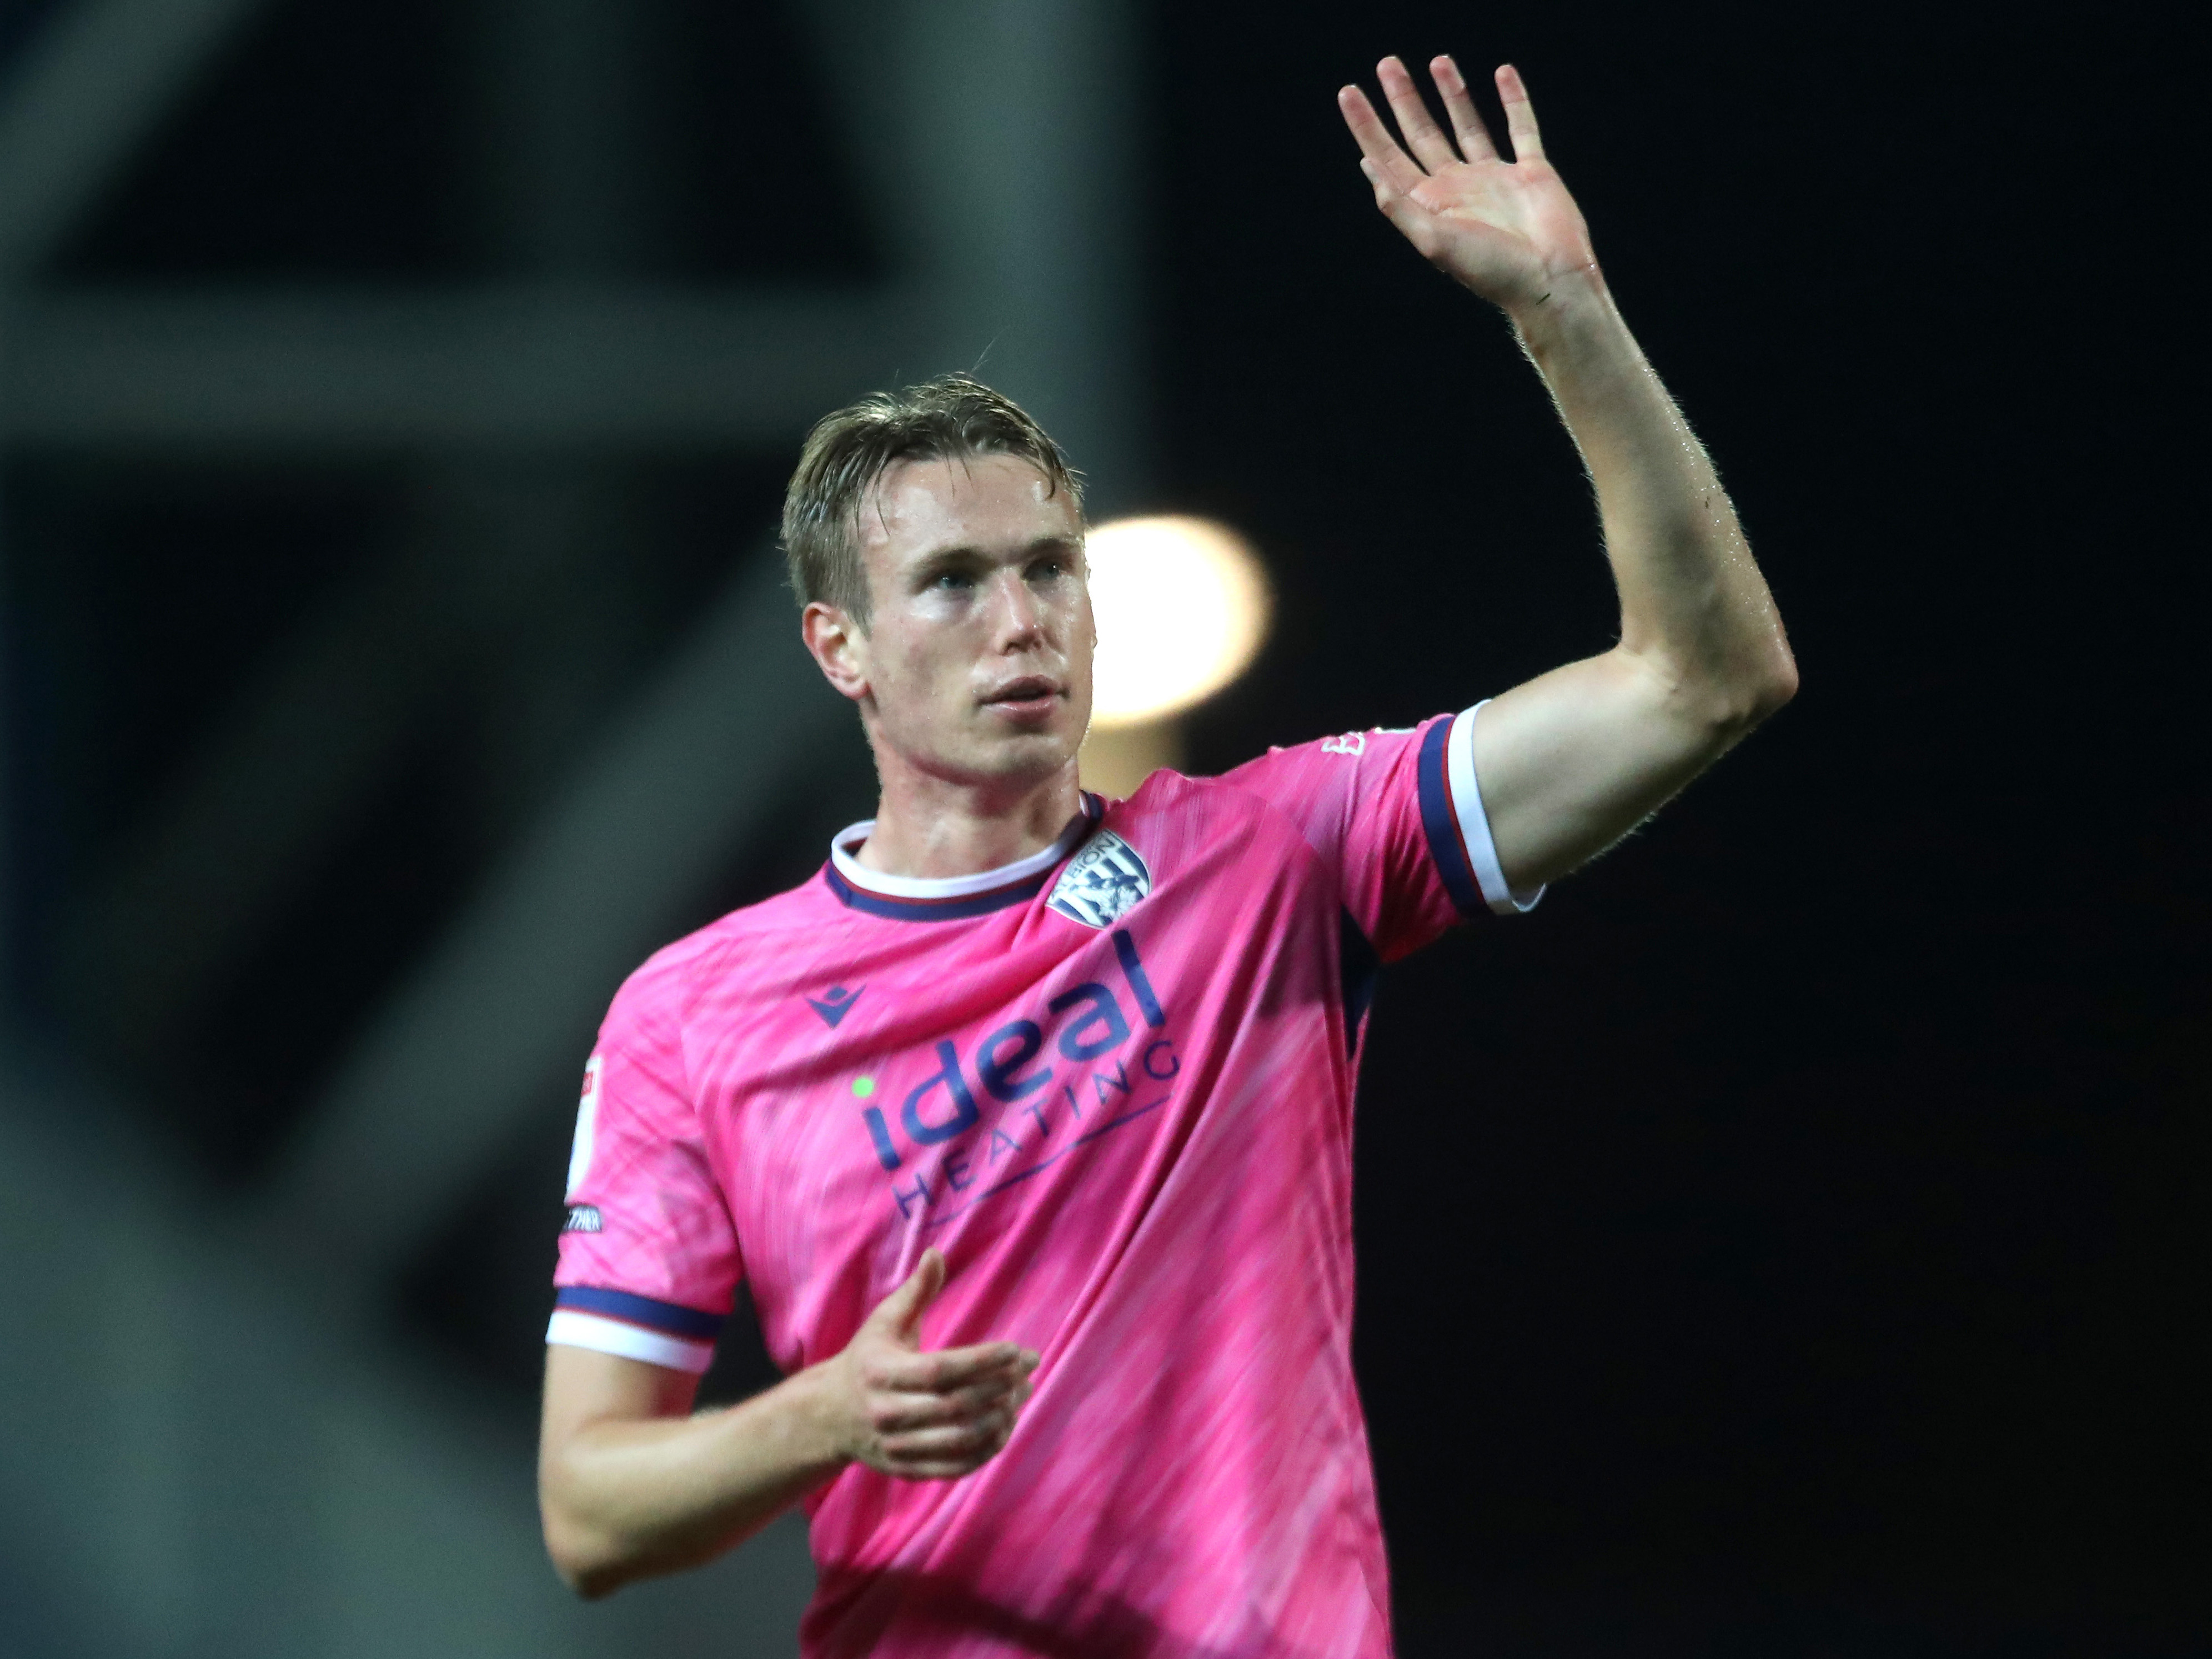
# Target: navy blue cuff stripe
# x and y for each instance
(1446, 845)
(641, 1311)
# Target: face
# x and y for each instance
(976, 663)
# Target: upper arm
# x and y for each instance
(584, 1387)
(587, 1390)
(1395, 816)
(648, 1261)
(1572, 761)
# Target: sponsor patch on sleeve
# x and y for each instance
(587, 1121)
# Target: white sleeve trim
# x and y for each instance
(572, 1328)
(1474, 823)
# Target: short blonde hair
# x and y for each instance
(951, 417)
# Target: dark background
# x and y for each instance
(1789, 1239)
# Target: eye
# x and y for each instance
(952, 581)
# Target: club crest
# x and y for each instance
(1106, 877)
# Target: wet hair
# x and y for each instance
(951, 418)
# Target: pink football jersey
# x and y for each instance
(1113, 1084)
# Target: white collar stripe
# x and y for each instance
(953, 887)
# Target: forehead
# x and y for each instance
(980, 501)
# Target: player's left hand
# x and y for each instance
(1507, 229)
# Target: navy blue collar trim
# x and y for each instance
(966, 904)
(921, 909)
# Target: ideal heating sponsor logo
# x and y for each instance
(1026, 1096)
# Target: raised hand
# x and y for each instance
(1509, 230)
(926, 1416)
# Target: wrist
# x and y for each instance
(829, 1433)
(1574, 297)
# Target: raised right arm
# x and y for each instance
(630, 1484)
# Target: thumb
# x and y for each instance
(1411, 218)
(900, 1313)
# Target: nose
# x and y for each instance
(1021, 616)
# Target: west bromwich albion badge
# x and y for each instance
(1106, 877)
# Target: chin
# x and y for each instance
(1038, 760)
(1024, 757)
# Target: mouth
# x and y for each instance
(1031, 697)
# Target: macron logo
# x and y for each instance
(834, 1004)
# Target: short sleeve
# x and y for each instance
(1398, 815)
(648, 1263)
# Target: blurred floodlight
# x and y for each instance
(1182, 605)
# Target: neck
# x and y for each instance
(931, 826)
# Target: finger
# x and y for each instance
(1375, 142)
(1467, 124)
(898, 1413)
(1386, 192)
(899, 1313)
(942, 1369)
(1520, 115)
(950, 1441)
(1412, 222)
(1382, 190)
(1423, 135)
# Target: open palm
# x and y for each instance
(1507, 229)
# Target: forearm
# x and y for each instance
(630, 1486)
(1694, 610)
(1568, 763)
(625, 1499)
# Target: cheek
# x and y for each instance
(924, 666)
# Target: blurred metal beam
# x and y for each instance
(1002, 144)
(202, 1464)
(545, 366)
(99, 76)
(565, 185)
(504, 597)
(472, 1047)
(996, 137)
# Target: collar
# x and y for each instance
(945, 898)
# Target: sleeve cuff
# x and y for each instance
(1458, 828)
(634, 1327)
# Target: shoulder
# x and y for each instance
(1191, 811)
(1170, 794)
(670, 980)
(1286, 776)
(1344, 752)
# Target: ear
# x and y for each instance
(839, 646)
